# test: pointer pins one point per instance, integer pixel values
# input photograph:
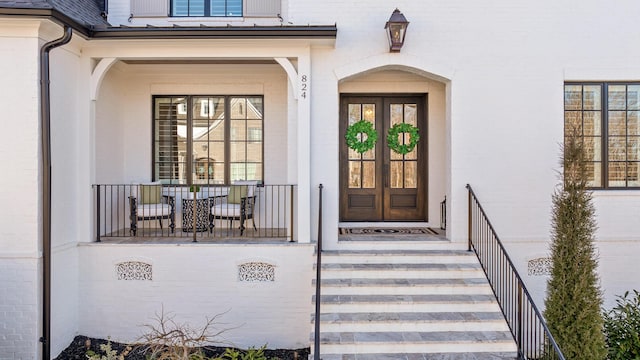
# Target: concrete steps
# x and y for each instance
(381, 300)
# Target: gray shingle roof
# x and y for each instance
(86, 12)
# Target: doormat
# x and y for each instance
(388, 231)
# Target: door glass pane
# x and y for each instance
(394, 155)
(396, 174)
(354, 174)
(369, 113)
(354, 155)
(355, 113)
(410, 174)
(396, 113)
(368, 174)
(370, 155)
(412, 155)
(411, 114)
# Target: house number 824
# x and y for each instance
(304, 86)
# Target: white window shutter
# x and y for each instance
(261, 8)
(150, 8)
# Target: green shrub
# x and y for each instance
(249, 354)
(622, 328)
(109, 353)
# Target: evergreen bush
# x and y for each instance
(574, 300)
(622, 328)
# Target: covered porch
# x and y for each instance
(194, 119)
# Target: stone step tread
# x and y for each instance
(346, 299)
(382, 252)
(416, 337)
(402, 282)
(411, 316)
(430, 356)
(423, 266)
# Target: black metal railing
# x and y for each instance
(525, 321)
(198, 212)
(316, 319)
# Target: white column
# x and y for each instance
(304, 145)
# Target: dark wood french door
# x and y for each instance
(381, 184)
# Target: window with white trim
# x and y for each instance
(606, 117)
(214, 139)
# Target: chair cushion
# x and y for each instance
(153, 210)
(226, 210)
(251, 186)
(150, 194)
(236, 193)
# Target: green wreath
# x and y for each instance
(395, 145)
(357, 144)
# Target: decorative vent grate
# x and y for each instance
(134, 270)
(256, 272)
(539, 267)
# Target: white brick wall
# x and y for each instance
(19, 307)
(194, 281)
(19, 214)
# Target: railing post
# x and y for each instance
(469, 222)
(291, 205)
(97, 213)
(520, 322)
(316, 334)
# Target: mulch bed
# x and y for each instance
(81, 344)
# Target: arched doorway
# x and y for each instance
(384, 184)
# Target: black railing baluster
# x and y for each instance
(532, 336)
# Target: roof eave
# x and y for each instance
(52, 14)
(182, 32)
(257, 32)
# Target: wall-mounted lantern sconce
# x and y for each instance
(396, 30)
